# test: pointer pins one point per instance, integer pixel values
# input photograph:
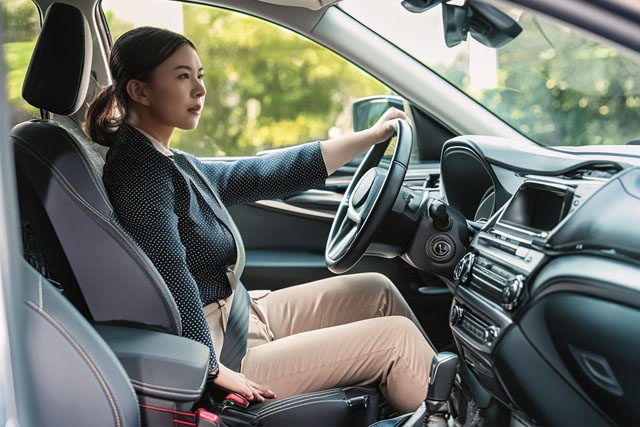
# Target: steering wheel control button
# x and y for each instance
(462, 270)
(511, 293)
(362, 189)
(440, 248)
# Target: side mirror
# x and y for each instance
(367, 111)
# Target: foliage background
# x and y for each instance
(269, 88)
(21, 24)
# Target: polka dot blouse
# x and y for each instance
(159, 201)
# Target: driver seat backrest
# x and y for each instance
(71, 233)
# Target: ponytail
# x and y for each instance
(105, 114)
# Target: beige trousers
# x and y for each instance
(342, 331)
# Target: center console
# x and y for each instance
(492, 278)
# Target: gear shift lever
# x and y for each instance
(443, 372)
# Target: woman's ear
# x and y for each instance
(137, 92)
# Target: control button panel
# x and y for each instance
(479, 330)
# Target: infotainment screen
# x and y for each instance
(537, 207)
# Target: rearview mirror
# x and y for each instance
(487, 24)
(367, 111)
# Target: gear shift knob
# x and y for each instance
(441, 376)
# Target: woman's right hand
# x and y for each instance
(236, 382)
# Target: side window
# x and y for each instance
(267, 87)
(21, 25)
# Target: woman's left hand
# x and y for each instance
(386, 125)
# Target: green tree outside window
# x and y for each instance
(21, 23)
(267, 87)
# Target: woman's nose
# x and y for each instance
(199, 89)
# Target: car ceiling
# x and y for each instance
(309, 4)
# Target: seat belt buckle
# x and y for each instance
(235, 399)
(205, 418)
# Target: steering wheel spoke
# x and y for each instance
(343, 239)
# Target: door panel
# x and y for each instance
(285, 239)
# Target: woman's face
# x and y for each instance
(176, 90)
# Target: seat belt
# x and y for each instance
(234, 346)
(235, 338)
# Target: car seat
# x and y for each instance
(72, 237)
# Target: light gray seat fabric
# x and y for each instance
(77, 379)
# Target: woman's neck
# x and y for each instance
(161, 133)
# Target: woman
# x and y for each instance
(350, 330)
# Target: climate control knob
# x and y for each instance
(511, 292)
(456, 315)
(490, 335)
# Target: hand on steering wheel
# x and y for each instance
(386, 126)
(369, 197)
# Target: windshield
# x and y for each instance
(551, 83)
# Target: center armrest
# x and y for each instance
(159, 365)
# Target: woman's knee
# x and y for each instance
(401, 333)
(379, 282)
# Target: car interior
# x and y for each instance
(520, 260)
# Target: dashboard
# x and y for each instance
(546, 305)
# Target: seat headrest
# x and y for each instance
(59, 72)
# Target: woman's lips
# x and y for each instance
(195, 110)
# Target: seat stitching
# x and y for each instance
(301, 405)
(168, 394)
(72, 141)
(40, 304)
(61, 178)
(78, 349)
(288, 403)
(285, 402)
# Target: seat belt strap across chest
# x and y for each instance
(235, 338)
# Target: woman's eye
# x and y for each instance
(183, 76)
(201, 76)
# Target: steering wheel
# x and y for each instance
(369, 197)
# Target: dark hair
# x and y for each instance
(134, 56)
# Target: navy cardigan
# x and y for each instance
(159, 201)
